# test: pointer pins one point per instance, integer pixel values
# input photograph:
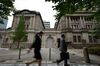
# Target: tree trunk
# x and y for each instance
(18, 45)
(19, 53)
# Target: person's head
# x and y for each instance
(40, 33)
(63, 36)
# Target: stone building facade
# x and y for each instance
(77, 28)
(33, 24)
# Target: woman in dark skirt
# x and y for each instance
(37, 47)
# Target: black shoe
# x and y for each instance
(66, 65)
(27, 64)
(57, 62)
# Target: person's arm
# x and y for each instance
(30, 48)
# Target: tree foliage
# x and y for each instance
(96, 31)
(70, 6)
(6, 6)
(20, 32)
(1, 21)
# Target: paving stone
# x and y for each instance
(10, 56)
(12, 64)
(45, 64)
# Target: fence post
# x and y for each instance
(49, 53)
(86, 55)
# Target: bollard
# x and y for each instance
(86, 55)
(49, 53)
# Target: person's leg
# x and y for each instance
(33, 61)
(39, 62)
(38, 54)
(65, 59)
(35, 53)
(66, 62)
(61, 59)
(39, 57)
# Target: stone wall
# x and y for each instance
(80, 46)
(23, 45)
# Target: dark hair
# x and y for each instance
(58, 39)
(41, 32)
(63, 36)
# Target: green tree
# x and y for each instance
(70, 6)
(20, 33)
(96, 31)
(6, 6)
(1, 21)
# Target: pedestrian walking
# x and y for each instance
(63, 48)
(37, 47)
(58, 42)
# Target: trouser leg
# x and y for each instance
(37, 54)
(66, 62)
(61, 59)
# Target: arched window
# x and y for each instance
(50, 42)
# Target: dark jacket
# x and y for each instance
(37, 42)
(58, 41)
(63, 45)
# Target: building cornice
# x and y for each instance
(26, 11)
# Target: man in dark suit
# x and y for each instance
(63, 49)
(58, 42)
(37, 47)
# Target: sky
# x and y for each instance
(45, 8)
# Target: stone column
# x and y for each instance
(69, 37)
(69, 22)
(81, 22)
(85, 37)
(66, 22)
(44, 41)
(17, 21)
(30, 24)
(34, 21)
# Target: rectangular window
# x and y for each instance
(94, 39)
(79, 38)
(74, 39)
(90, 39)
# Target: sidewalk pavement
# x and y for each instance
(76, 56)
(94, 59)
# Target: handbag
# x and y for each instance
(65, 55)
